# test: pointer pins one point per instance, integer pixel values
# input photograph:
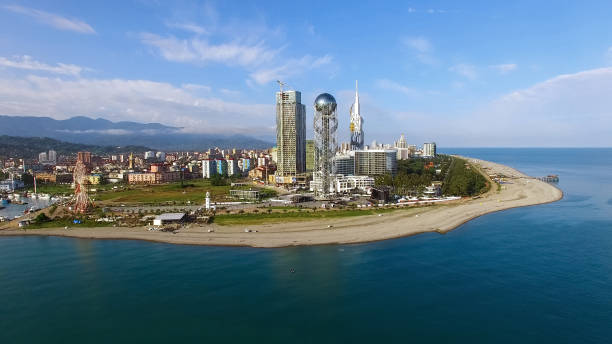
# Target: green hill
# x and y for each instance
(29, 147)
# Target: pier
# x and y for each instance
(551, 178)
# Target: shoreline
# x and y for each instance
(521, 191)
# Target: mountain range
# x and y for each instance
(102, 132)
(29, 147)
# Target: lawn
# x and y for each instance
(193, 191)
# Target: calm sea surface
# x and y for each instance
(528, 275)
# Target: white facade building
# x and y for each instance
(209, 168)
(429, 150)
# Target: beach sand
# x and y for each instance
(520, 191)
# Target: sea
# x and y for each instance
(13, 209)
(539, 274)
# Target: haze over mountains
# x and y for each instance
(103, 132)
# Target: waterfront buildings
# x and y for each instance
(375, 162)
(290, 134)
(10, 185)
(345, 164)
(429, 150)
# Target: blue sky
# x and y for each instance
(487, 73)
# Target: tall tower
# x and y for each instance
(325, 125)
(356, 123)
(290, 134)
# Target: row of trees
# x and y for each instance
(414, 175)
(462, 180)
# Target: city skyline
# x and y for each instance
(211, 67)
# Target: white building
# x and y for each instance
(149, 155)
(429, 150)
(209, 168)
(348, 183)
(232, 167)
(10, 185)
(52, 157)
(42, 157)
(344, 184)
(161, 156)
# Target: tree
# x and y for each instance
(27, 179)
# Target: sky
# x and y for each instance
(462, 74)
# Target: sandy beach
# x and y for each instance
(519, 190)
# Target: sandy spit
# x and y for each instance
(520, 191)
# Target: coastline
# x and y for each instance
(521, 191)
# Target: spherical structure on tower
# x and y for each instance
(325, 100)
(325, 126)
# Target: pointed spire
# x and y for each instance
(356, 97)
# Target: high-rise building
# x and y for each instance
(375, 162)
(84, 157)
(221, 167)
(401, 146)
(52, 157)
(232, 167)
(290, 134)
(401, 143)
(161, 156)
(310, 155)
(345, 164)
(356, 123)
(149, 155)
(42, 157)
(429, 149)
(209, 168)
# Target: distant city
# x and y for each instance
(321, 165)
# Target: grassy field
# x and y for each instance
(294, 215)
(53, 189)
(193, 191)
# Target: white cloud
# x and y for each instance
(504, 68)
(132, 100)
(420, 44)
(422, 48)
(53, 20)
(28, 63)
(189, 27)
(390, 85)
(196, 87)
(465, 70)
(290, 68)
(565, 111)
(198, 50)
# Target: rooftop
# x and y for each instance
(170, 216)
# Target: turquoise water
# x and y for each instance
(527, 275)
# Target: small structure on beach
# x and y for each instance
(168, 218)
(551, 178)
(249, 195)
